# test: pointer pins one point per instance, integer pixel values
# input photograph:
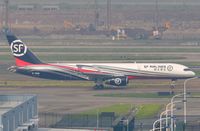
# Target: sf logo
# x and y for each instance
(118, 81)
(18, 48)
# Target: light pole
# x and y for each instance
(166, 114)
(97, 119)
(166, 108)
(163, 113)
(156, 122)
(127, 122)
(185, 99)
(172, 114)
(155, 129)
(172, 105)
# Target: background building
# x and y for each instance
(18, 112)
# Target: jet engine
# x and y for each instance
(118, 81)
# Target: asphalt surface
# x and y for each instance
(79, 99)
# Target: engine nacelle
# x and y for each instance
(118, 81)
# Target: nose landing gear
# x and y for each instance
(172, 86)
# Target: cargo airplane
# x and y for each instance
(112, 74)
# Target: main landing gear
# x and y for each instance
(99, 84)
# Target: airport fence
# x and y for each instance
(53, 120)
(193, 123)
(105, 120)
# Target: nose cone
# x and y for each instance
(192, 74)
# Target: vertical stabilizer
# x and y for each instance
(23, 56)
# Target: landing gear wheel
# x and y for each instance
(99, 84)
(172, 86)
(98, 87)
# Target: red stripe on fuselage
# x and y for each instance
(21, 62)
(78, 69)
(132, 77)
(72, 68)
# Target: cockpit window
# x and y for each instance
(187, 69)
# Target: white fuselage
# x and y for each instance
(143, 70)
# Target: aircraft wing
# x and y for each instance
(97, 72)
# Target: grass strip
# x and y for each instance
(135, 95)
(148, 110)
(119, 109)
(144, 110)
(101, 57)
(46, 83)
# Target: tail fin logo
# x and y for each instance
(18, 48)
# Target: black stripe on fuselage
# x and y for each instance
(48, 74)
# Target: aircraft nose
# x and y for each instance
(192, 74)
